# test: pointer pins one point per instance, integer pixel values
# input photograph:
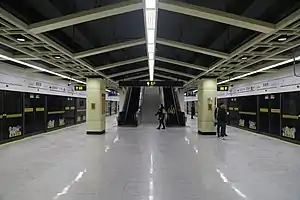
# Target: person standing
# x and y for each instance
(216, 121)
(222, 119)
(161, 117)
(193, 111)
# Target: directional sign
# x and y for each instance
(222, 88)
(151, 83)
(80, 88)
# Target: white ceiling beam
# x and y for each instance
(128, 72)
(136, 77)
(174, 72)
(86, 16)
(217, 16)
(176, 62)
(278, 58)
(23, 58)
(169, 77)
(109, 48)
(126, 62)
(192, 48)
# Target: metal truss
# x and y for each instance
(52, 53)
(39, 47)
(250, 55)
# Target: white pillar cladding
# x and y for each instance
(96, 106)
(207, 93)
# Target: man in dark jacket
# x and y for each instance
(193, 111)
(161, 117)
(216, 121)
(222, 119)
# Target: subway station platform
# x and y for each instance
(145, 163)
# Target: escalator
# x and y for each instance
(128, 115)
(174, 115)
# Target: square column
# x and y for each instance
(207, 93)
(96, 106)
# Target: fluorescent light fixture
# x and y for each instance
(151, 48)
(281, 39)
(39, 68)
(21, 39)
(195, 91)
(244, 58)
(150, 36)
(57, 57)
(150, 13)
(107, 90)
(150, 19)
(151, 69)
(260, 70)
(150, 4)
(151, 56)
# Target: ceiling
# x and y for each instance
(221, 38)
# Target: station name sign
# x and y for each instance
(151, 83)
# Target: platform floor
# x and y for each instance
(146, 164)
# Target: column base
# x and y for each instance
(206, 133)
(95, 132)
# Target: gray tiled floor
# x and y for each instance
(143, 163)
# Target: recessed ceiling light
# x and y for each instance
(281, 39)
(57, 57)
(244, 58)
(21, 39)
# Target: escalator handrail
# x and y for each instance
(175, 105)
(127, 106)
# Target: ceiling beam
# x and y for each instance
(86, 16)
(169, 77)
(128, 72)
(174, 72)
(176, 62)
(117, 64)
(22, 57)
(136, 77)
(217, 16)
(109, 48)
(192, 48)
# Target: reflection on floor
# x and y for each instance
(144, 163)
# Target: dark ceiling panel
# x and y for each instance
(185, 56)
(266, 10)
(32, 11)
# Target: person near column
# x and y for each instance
(161, 117)
(193, 110)
(216, 121)
(222, 119)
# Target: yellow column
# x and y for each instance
(96, 106)
(207, 93)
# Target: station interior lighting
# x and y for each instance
(40, 68)
(261, 70)
(21, 39)
(151, 20)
